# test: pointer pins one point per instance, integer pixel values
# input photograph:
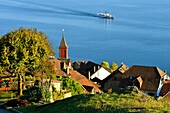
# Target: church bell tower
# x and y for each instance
(63, 49)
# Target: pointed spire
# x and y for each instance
(62, 33)
(63, 43)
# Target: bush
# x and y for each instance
(33, 94)
(36, 93)
(58, 95)
(69, 84)
(45, 93)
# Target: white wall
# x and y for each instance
(100, 74)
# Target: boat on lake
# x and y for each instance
(105, 15)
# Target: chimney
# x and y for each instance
(94, 69)
(68, 70)
(98, 67)
(165, 71)
(62, 65)
(89, 75)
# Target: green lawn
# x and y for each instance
(103, 103)
(5, 96)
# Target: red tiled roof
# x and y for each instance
(5, 74)
(150, 76)
(121, 69)
(55, 62)
(60, 73)
(83, 80)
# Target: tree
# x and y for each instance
(105, 64)
(114, 66)
(72, 85)
(23, 50)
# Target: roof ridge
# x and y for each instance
(161, 73)
(143, 66)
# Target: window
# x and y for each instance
(130, 77)
(143, 78)
(65, 53)
(162, 79)
(150, 79)
(115, 78)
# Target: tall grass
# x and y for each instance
(106, 103)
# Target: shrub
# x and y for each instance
(45, 93)
(69, 84)
(33, 94)
(36, 93)
(58, 95)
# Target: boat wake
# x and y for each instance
(43, 8)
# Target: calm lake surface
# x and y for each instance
(139, 34)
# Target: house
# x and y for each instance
(112, 82)
(147, 78)
(78, 64)
(88, 68)
(99, 75)
(165, 91)
(88, 86)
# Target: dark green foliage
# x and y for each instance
(37, 93)
(45, 93)
(33, 94)
(71, 85)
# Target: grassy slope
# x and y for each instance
(104, 103)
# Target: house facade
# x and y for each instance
(112, 82)
(165, 90)
(147, 78)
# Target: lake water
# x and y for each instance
(139, 34)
